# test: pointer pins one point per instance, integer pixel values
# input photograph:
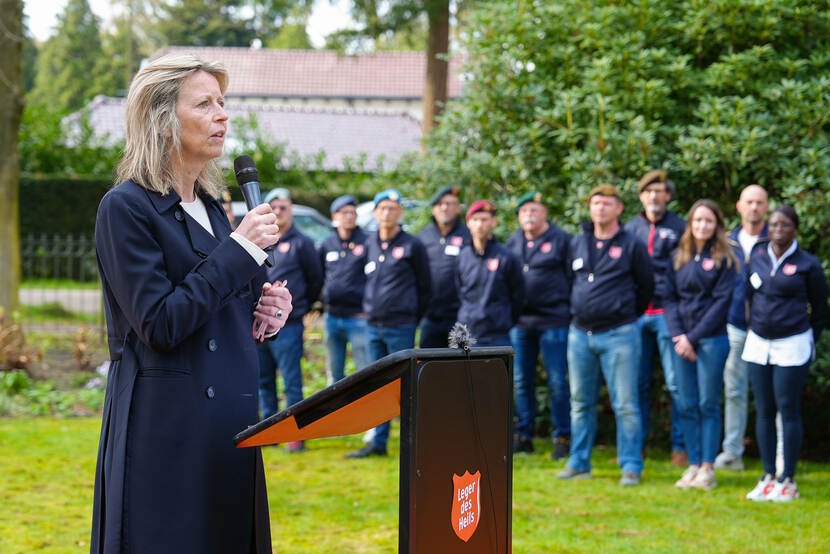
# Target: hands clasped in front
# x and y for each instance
(272, 310)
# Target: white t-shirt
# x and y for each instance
(747, 241)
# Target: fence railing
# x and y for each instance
(60, 280)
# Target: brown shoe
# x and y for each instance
(679, 458)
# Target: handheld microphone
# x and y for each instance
(247, 177)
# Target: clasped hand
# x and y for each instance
(272, 310)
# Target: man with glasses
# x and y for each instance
(443, 239)
(660, 230)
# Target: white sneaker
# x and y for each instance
(688, 476)
(725, 460)
(763, 489)
(785, 491)
(704, 479)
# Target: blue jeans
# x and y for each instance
(283, 354)
(382, 342)
(700, 384)
(736, 393)
(553, 344)
(615, 353)
(434, 333)
(655, 332)
(339, 332)
(778, 388)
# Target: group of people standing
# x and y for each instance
(603, 302)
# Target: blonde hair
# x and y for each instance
(153, 130)
(719, 244)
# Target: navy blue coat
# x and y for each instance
(491, 289)
(664, 236)
(546, 276)
(697, 297)
(397, 280)
(296, 262)
(613, 284)
(778, 300)
(739, 309)
(443, 252)
(343, 277)
(182, 382)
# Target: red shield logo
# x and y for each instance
(466, 504)
(284, 247)
(357, 250)
(493, 264)
(789, 269)
(545, 247)
(397, 252)
(457, 241)
(615, 252)
(708, 264)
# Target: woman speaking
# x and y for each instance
(186, 302)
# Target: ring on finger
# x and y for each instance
(279, 314)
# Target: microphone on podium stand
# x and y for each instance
(247, 177)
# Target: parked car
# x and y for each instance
(366, 216)
(308, 220)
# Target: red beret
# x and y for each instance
(481, 206)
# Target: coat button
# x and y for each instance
(209, 392)
(212, 345)
(179, 215)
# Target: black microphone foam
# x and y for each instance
(247, 177)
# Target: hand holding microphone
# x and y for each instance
(259, 224)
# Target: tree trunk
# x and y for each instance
(438, 43)
(11, 109)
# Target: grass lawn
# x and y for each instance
(322, 503)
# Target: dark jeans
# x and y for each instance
(434, 333)
(553, 345)
(382, 342)
(283, 354)
(778, 389)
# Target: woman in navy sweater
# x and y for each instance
(782, 280)
(700, 281)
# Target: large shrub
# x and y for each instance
(564, 95)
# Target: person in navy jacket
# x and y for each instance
(297, 266)
(396, 296)
(489, 281)
(443, 239)
(186, 301)
(343, 256)
(660, 230)
(752, 205)
(699, 286)
(542, 248)
(612, 286)
(787, 292)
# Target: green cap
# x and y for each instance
(532, 196)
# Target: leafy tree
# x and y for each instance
(203, 23)
(11, 94)
(29, 59)
(65, 78)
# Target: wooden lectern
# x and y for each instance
(456, 468)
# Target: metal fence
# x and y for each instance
(60, 281)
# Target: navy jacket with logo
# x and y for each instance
(739, 309)
(491, 290)
(343, 277)
(296, 261)
(778, 300)
(612, 284)
(698, 295)
(665, 235)
(397, 280)
(443, 251)
(546, 276)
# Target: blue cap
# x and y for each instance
(388, 194)
(340, 201)
(441, 193)
(277, 194)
